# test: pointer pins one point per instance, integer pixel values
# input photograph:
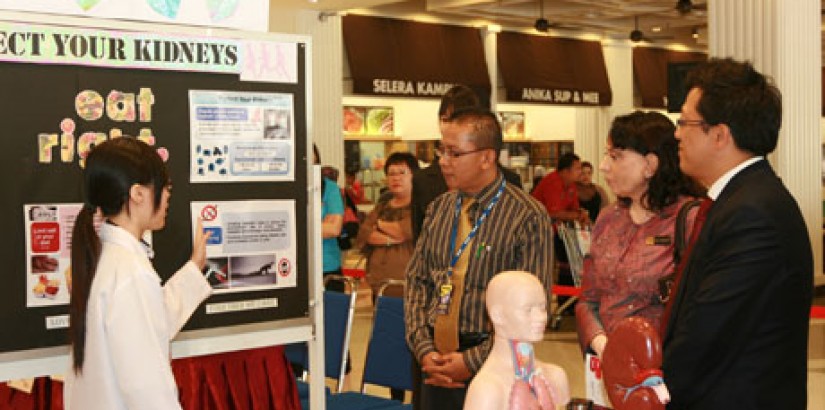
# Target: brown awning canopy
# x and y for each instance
(553, 70)
(650, 72)
(406, 58)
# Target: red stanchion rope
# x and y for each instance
(354, 273)
(560, 290)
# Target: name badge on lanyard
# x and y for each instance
(445, 294)
(445, 291)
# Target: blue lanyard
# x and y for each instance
(473, 232)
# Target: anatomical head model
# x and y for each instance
(511, 377)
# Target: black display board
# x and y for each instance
(37, 97)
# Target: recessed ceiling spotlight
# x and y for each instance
(656, 29)
(312, 1)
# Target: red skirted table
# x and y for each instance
(46, 394)
(256, 379)
(247, 379)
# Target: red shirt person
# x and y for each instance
(557, 191)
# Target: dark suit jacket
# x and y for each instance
(428, 184)
(738, 333)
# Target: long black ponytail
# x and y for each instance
(85, 254)
(111, 169)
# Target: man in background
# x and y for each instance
(558, 193)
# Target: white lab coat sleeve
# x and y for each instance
(138, 337)
(182, 294)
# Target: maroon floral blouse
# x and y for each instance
(620, 276)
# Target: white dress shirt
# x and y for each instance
(130, 320)
(716, 188)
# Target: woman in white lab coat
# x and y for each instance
(121, 318)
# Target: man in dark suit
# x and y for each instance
(737, 337)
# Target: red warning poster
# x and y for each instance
(48, 249)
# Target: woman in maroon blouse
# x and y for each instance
(632, 243)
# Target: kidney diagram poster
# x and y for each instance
(241, 136)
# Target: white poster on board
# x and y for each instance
(252, 244)
(48, 252)
(238, 14)
(241, 136)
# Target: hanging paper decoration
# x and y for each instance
(87, 4)
(166, 8)
(221, 9)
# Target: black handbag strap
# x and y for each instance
(679, 232)
(666, 282)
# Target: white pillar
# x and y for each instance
(782, 38)
(590, 136)
(489, 38)
(325, 125)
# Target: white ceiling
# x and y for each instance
(611, 18)
(602, 18)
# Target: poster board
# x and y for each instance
(62, 97)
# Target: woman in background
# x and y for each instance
(332, 219)
(385, 237)
(632, 243)
(121, 318)
(591, 196)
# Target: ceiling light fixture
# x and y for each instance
(656, 29)
(636, 35)
(542, 24)
(684, 6)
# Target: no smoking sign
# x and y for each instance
(209, 213)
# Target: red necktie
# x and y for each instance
(704, 207)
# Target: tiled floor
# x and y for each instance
(560, 347)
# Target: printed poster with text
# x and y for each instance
(251, 246)
(48, 253)
(241, 136)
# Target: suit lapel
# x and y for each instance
(750, 175)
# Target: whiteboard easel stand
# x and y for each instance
(55, 360)
(315, 344)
